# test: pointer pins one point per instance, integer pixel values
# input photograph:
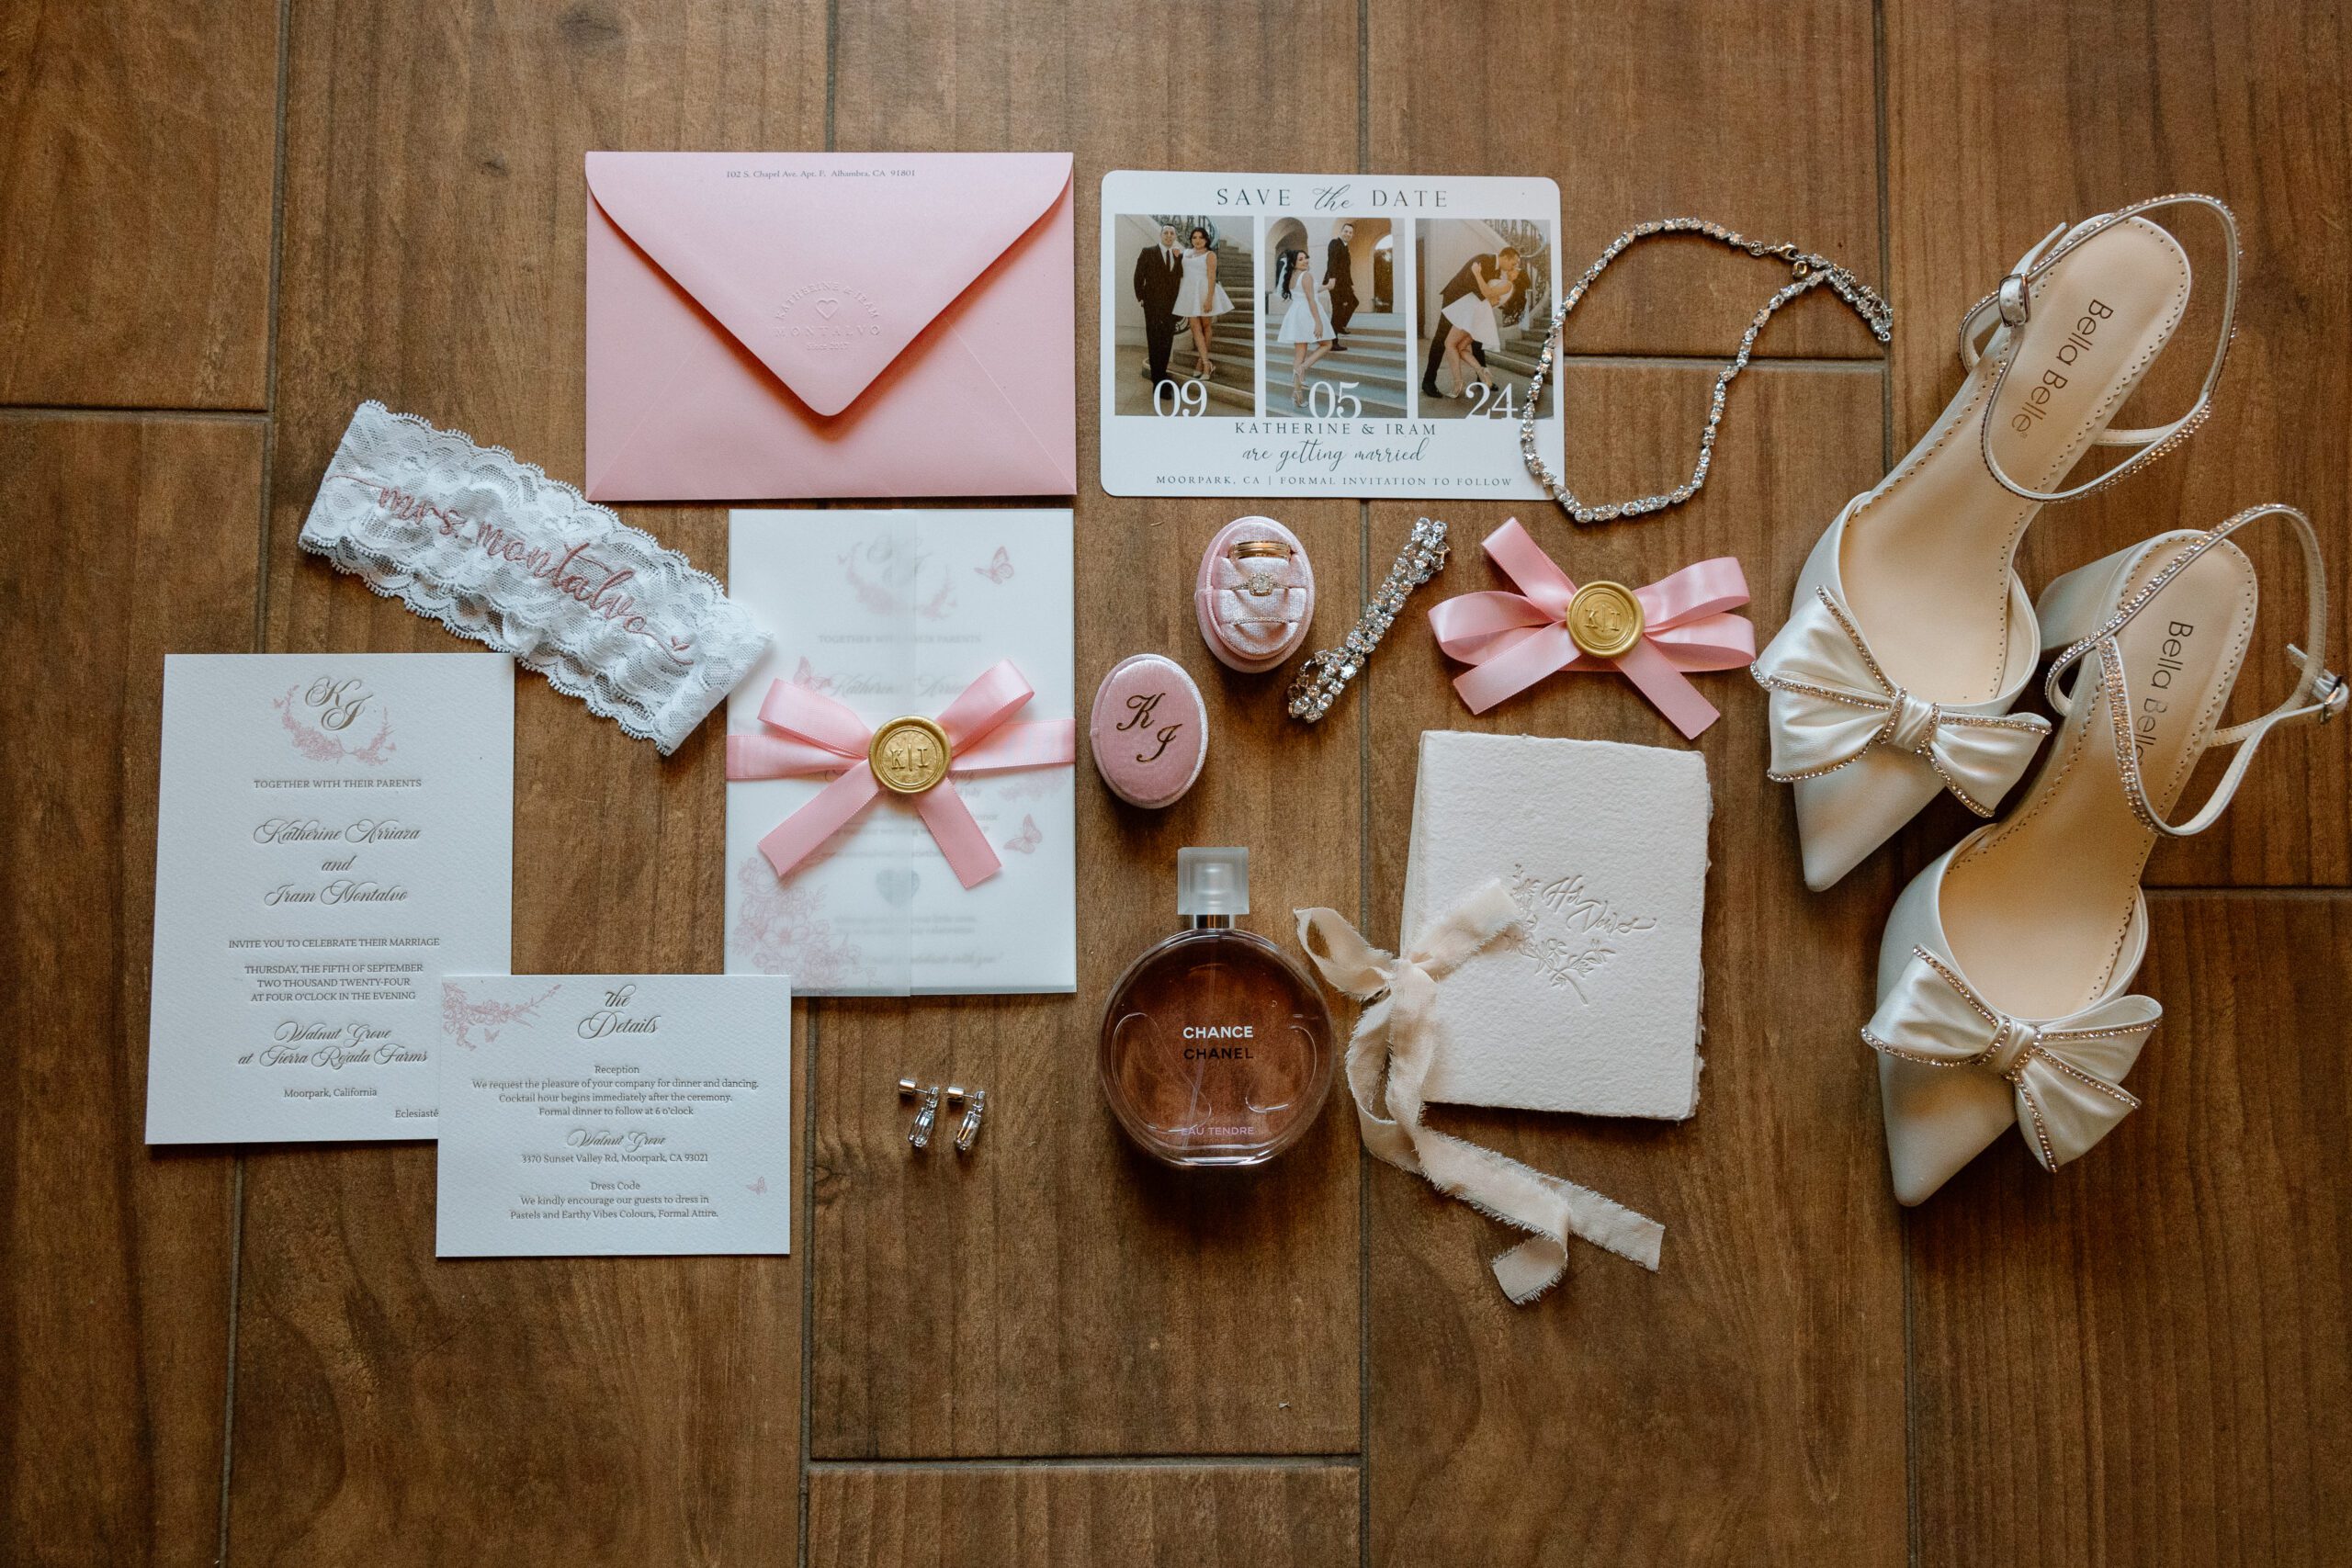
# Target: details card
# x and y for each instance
(1325, 335)
(615, 1115)
(334, 831)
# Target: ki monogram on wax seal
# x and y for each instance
(909, 755)
(1604, 619)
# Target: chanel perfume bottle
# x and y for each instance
(1216, 1048)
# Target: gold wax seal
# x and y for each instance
(909, 755)
(1604, 619)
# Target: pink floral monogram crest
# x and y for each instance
(325, 713)
(890, 580)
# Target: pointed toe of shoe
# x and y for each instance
(1936, 1121)
(1829, 856)
(1844, 815)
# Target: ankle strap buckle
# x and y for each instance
(2330, 692)
(2014, 299)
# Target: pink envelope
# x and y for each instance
(773, 324)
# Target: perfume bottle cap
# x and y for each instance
(1212, 881)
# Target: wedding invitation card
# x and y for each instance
(1591, 1002)
(590, 1115)
(334, 831)
(1326, 334)
(876, 616)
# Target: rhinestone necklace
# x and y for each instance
(1807, 271)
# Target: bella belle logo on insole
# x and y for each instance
(832, 320)
(2079, 341)
(2170, 656)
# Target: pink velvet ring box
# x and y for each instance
(1149, 730)
(1255, 597)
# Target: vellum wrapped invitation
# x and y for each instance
(1592, 1003)
(960, 884)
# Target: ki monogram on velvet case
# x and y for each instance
(1325, 335)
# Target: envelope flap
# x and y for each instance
(825, 266)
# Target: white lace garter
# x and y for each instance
(495, 550)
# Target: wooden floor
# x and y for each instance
(222, 224)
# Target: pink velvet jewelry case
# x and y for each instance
(1255, 594)
(1149, 730)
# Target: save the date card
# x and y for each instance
(1325, 335)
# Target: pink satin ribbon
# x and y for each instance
(818, 735)
(1513, 640)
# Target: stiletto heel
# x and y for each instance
(2004, 972)
(1909, 636)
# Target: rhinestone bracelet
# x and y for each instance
(1807, 271)
(1325, 675)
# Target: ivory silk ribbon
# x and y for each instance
(818, 735)
(1513, 640)
(1392, 1041)
(2067, 1073)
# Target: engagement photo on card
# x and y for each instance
(1485, 301)
(1337, 341)
(1184, 327)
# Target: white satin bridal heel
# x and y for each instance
(1909, 635)
(2004, 972)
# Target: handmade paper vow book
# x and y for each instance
(1592, 1003)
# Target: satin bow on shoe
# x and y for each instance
(1388, 1059)
(1831, 702)
(2066, 1072)
(818, 735)
(1683, 623)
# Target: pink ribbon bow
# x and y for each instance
(821, 736)
(1512, 640)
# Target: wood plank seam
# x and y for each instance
(1364, 896)
(1090, 1461)
(261, 633)
(1912, 1539)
